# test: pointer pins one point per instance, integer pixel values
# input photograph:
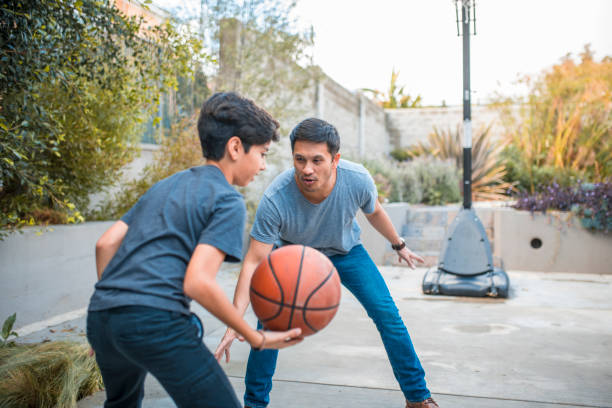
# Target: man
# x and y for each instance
(315, 204)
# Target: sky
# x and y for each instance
(359, 42)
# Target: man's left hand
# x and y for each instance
(410, 257)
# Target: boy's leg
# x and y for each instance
(167, 345)
(123, 380)
(361, 276)
(258, 379)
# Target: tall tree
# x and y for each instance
(261, 53)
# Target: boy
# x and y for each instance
(166, 251)
(315, 204)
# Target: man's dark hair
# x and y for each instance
(317, 131)
(228, 114)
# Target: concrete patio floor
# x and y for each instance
(548, 345)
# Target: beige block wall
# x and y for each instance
(377, 141)
(410, 126)
(343, 109)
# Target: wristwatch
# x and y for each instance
(400, 246)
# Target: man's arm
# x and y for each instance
(108, 244)
(382, 223)
(256, 253)
(200, 285)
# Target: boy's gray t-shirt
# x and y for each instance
(285, 216)
(195, 206)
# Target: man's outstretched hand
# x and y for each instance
(410, 257)
(225, 344)
(269, 340)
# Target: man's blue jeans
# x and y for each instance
(359, 274)
(133, 340)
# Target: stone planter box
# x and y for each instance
(555, 242)
(551, 242)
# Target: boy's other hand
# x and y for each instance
(279, 340)
(225, 344)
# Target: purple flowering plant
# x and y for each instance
(591, 202)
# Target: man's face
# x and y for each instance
(314, 166)
(251, 163)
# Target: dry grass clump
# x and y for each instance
(52, 374)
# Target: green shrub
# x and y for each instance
(522, 177)
(79, 79)
(423, 180)
(400, 154)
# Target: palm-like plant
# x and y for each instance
(487, 169)
(394, 97)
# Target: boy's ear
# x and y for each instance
(234, 147)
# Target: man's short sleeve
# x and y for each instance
(370, 195)
(225, 227)
(266, 227)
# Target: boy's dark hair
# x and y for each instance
(227, 114)
(318, 131)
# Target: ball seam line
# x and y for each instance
(329, 275)
(280, 289)
(297, 288)
(276, 302)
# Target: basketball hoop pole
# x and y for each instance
(467, 107)
(465, 265)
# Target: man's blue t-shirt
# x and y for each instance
(195, 206)
(285, 216)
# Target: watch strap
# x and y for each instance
(400, 246)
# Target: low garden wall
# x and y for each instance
(552, 242)
(50, 273)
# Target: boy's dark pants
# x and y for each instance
(133, 340)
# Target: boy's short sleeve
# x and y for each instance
(225, 228)
(127, 217)
(370, 195)
(266, 227)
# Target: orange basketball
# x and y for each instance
(296, 286)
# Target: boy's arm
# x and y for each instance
(382, 223)
(201, 286)
(108, 244)
(256, 253)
